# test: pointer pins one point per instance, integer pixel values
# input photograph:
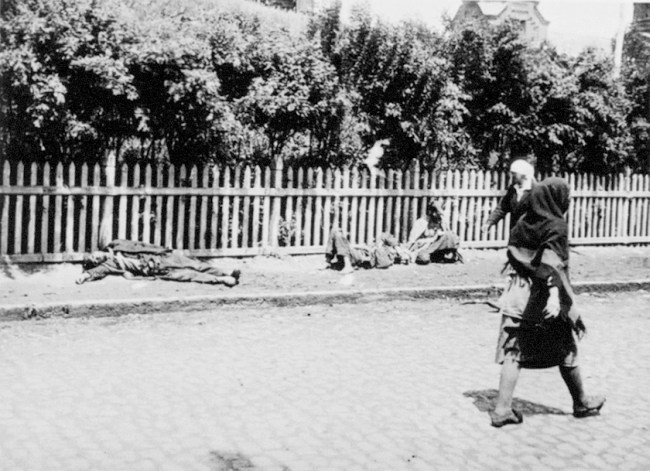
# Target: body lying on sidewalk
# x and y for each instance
(428, 242)
(140, 260)
(341, 254)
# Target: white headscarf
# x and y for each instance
(524, 168)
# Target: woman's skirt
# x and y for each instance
(532, 345)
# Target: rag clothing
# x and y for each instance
(429, 242)
(532, 344)
(433, 249)
(383, 254)
(118, 265)
(140, 259)
(162, 260)
(513, 202)
(538, 254)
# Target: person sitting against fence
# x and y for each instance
(429, 241)
(514, 201)
(141, 260)
(341, 255)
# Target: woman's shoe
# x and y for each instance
(512, 417)
(592, 407)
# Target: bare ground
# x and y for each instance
(54, 283)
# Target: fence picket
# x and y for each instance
(18, 210)
(388, 223)
(234, 226)
(58, 210)
(45, 211)
(122, 209)
(214, 213)
(645, 224)
(486, 207)
(83, 206)
(4, 218)
(406, 216)
(246, 222)
(345, 201)
(372, 211)
(379, 218)
(266, 205)
(354, 206)
(455, 222)
(225, 209)
(276, 208)
(106, 229)
(635, 218)
(94, 226)
(135, 205)
(147, 215)
(31, 224)
(69, 207)
(158, 218)
(256, 208)
(478, 212)
(300, 207)
(169, 209)
(203, 208)
(315, 226)
(179, 226)
(327, 209)
(622, 209)
(462, 217)
(414, 169)
(363, 208)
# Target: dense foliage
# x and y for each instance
(189, 82)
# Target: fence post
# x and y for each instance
(274, 230)
(106, 225)
(627, 202)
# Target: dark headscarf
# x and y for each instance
(543, 226)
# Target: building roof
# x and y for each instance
(492, 8)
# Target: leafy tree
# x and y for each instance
(403, 88)
(636, 78)
(299, 93)
(66, 88)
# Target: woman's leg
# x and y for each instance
(573, 381)
(509, 376)
(583, 405)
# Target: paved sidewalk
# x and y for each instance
(32, 291)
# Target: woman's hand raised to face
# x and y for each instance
(552, 308)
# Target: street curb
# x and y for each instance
(110, 308)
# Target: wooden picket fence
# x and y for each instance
(58, 213)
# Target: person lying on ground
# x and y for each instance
(429, 241)
(522, 174)
(140, 260)
(539, 322)
(342, 255)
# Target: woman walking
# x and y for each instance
(540, 324)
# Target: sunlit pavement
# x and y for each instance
(382, 386)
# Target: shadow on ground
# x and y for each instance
(224, 461)
(486, 399)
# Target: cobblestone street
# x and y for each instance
(391, 386)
